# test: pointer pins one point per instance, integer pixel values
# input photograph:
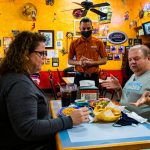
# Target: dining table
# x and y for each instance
(101, 135)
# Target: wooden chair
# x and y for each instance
(61, 81)
(53, 86)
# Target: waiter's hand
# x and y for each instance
(86, 61)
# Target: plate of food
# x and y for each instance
(107, 115)
(67, 111)
(100, 103)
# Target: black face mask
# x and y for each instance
(86, 34)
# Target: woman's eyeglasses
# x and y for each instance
(42, 53)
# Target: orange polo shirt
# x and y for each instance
(91, 48)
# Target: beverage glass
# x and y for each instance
(73, 88)
(65, 96)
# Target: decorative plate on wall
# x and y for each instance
(29, 12)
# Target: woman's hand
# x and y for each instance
(80, 115)
(145, 99)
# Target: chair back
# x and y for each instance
(52, 85)
(60, 78)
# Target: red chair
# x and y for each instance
(53, 87)
(61, 81)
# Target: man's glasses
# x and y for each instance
(42, 53)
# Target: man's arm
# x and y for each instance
(101, 61)
(74, 62)
(145, 99)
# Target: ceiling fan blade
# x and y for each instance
(101, 4)
(98, 12)
(84, 13)
(77, 3)
(70, 9)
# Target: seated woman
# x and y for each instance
(25, 121)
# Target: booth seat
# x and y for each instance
(45, 84)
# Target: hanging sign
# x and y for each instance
(117, 37)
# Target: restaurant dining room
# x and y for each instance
(75, 74)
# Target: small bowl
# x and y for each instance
(81, 103)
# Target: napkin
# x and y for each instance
(112, 105)
(125, 121)
(136, 117)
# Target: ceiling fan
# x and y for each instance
(87, 5)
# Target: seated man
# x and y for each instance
(139, 82)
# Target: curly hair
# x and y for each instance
(16, 57)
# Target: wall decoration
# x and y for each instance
(137, 41)
(146, 9)
(54, 17)
(107, 48)
(110, 56)
(64, 51)
(130, 41)
(95, 25)
(33, 26)
(113, 49)
(59, 35)
(47, 61)
(117, 37)
(77, 13)
(117, 56)
(126, 16)
(49, 2)
(55, 62)
(7, 41)
(103, 30)
(121, 49)
(15, 32)
(59, 45)
(49, 34)
(107, 10)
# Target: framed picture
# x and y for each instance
(113, 49)
(47, 61)
(55, 62)
(117, 56)
(137, 41)
(107, 48)
(49, 34)
(7, 41)
(130, 41)
(110, 56)
(121, 49)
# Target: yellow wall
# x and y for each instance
(11, 19)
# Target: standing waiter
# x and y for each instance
(89, 52)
